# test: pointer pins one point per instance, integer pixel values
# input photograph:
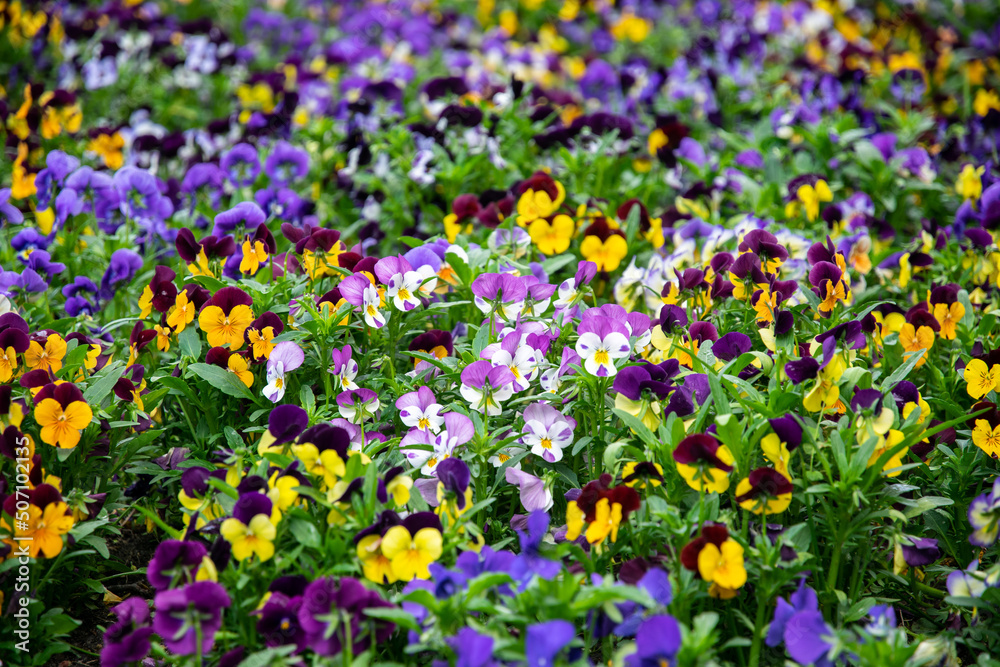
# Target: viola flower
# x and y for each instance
(256, 250)
(704, 463)
(778, 446)
(544, 641)
(601, 509)
(413, 545)
(127, 639)
(454, 495)
(47, 354)
(825, 395)
(570, 293)
(916, 341)
(811, 195)
(765, 490)
(249, 530)
(403, 284)
(799, 624)
(359, 291)
(980, 379)
(831, 285)
(534, 493)
(485, 387)
(46, 526)
(986, 436)
(602, 341)
(521, 359)
(552, 237)
(62, 413)
(603, 246)
(657, 642)
(184, 614)
(284, 358)
(226, 317)
(500, 293)
(640, 474)
(284, 424)
(261, 333)
(472, 649)
(357, 405)
(420, 410)
(332, 613)
(344, 367)
(984, 516)
(969, 185)
(948, 316)
(174, 563)
(540, 197)
(547, 431)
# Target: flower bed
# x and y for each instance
(478, 333)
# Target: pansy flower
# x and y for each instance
(500, 293)
(360, 291)
(14, 340)
(261, 333)
(403, 284)
(521, 359)
(569, 292)
(344, 367)
(420, 410)
(916, 340)
(333, 613)
(284, 425)
(547, 431)
(539, 197)
(45, 353)
(704, 463)
(604, 246)
(800, 626)
(256, 249)
(62, 413)
(357, 405)
(779, 445)
(486, 387)
(284, 358)
(189, 617)
(602, 341)
(980, 379)
(226, 317)
(764, 490)
(413, 545)
(984, 516)
(601, 509)
(435, 342)
(250, 530)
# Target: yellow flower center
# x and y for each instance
(403, 293)
(546, 443)
(601, 356)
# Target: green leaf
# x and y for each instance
(190, 342)
(103, 383)
(222, 380)
(400, 617)
(485, 582)
(306, 533)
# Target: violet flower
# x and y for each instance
(285, 358)
(544, 641)
(547, 431)
(127, 639)
(656, 642)
(420, 410)
(358, 405)
(182, 613)
(534, 494)
(174, 562)
(485, 387)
